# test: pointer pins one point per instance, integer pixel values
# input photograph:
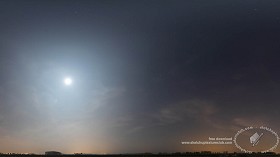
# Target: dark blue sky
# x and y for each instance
(146, 74)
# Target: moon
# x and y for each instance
(67, 81)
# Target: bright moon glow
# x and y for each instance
(68, 81)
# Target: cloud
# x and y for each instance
(250, 121)
(103, 96)
(197, 110)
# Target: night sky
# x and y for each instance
(147, 75)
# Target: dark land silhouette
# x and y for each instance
(178, 154)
